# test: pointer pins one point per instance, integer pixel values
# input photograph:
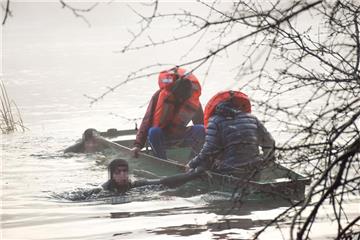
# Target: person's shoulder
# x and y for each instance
(155, 97)
(75, 148)
(246, 114)
(156, 93)
(250, 118)
(106, 185)
(216, 118)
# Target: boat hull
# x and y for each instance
(260, 182)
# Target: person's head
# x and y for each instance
(90, 142)
(88, 134)
(227, 109)
(118, 171)
(181, 83)
(182, 89)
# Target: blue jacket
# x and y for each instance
(233, 140)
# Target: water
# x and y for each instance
(51, 59)
(42, 199)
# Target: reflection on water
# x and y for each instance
(219, 225)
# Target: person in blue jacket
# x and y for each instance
(233, 138)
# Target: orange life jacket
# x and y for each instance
(241, 100)
(165, 115)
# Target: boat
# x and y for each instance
(253, 182)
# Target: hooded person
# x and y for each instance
(233, 134)
(169, 112)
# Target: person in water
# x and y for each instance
(88, 143)
(170, 110)
(119, 181)
(233, 135)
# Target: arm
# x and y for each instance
(90, 192)
(211, 147)
(170, 181)
(266, 141)
(167, 110)
(145, 182)
(199, 116)
(146, 123)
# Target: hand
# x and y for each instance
(135, 151)
(188, 168)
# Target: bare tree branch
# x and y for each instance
(7, 11)
(78, 12)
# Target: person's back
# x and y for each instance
(233, 138)
(240, 137)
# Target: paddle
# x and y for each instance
(122, 148)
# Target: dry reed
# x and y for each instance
(9, 122)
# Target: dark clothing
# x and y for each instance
(79, 147)
(147, 121)
(193, 137)
(76, 148)
(169, 181)
(111, 186)
(233, 140)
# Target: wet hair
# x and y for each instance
(111, 185)
(114, 164)
(88, 134)
(182, 89)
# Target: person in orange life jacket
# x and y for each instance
(88, 143)
(233, 135)
(170, 110)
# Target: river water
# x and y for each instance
(51, 60)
